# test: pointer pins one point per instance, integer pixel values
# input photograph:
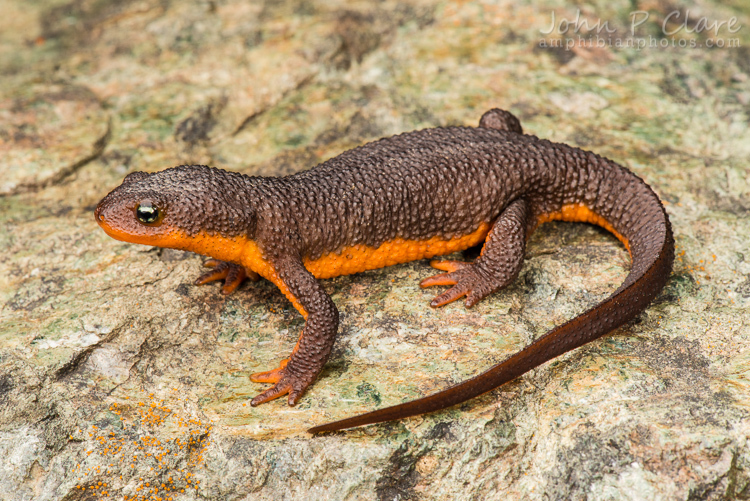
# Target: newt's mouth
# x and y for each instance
(121, 235)
(102, 222)
(98, 214)
(117, 229)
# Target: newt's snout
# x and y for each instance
(98, 213)
(118, 216)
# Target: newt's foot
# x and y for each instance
(272, 376)
(232, 274)
(466, 279)
(283, 384)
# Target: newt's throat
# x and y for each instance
(215, 246)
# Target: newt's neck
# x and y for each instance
(229, 249)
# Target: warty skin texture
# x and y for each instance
(411, 196)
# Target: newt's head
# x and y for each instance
(179, 208)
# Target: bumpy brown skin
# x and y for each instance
(406, 197)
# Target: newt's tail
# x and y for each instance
(651, 245)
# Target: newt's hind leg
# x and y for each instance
(497, 266)
(232, 274)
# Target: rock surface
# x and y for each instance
(119, 379)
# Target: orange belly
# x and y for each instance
(579, 213)
(359, 258)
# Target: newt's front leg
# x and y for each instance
(296, 373)
(232, 274)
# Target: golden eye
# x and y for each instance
(148, 214)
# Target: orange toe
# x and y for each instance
(211, 276)
(449, 296)
(442, 279)
(234, 279)
(272, 393)
(272, 376)
(448, 266)
(219, 273)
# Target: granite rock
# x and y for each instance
(119, 379)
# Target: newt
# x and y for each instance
(412, 196)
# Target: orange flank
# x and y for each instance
(353, 259)
(359, 258)
(579, 213)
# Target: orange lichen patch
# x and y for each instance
(579, 213)
(153, 441)
(358, 258)
(697, 270)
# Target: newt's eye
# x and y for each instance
(148, 214)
